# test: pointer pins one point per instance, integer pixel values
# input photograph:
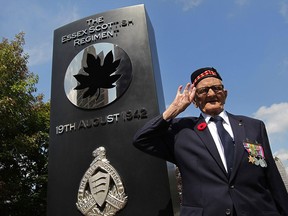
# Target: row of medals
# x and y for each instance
(257, 160)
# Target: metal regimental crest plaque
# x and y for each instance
(101, 192)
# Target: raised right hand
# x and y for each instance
(181, 101)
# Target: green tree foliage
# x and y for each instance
(24, 133)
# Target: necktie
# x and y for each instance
(226, 140)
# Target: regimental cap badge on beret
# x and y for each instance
(203, 73)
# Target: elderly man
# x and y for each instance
(225, 160)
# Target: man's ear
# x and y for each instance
(226, 93)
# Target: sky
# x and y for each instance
(245, 40)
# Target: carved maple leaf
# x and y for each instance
(98, 76)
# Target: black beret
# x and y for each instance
(202, 73)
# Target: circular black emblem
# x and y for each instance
(97, 76)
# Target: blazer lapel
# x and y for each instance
(208, 141)
(239, 136)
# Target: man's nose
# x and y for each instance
(210, 92)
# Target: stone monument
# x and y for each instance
(105, 85)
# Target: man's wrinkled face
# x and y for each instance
(210, 96)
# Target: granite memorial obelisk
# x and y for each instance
(105, 85)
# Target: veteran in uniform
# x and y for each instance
(225, 160)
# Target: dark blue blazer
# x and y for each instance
(207, 190)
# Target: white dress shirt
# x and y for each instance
(214, 133)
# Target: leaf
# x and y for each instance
(98, 76)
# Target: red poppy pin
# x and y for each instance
(202, 126)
